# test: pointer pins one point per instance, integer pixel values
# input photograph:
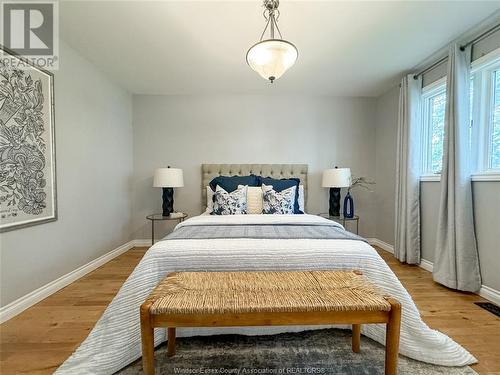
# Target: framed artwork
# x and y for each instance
(27, 144)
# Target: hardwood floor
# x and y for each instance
(453, 313)
(42, 337)
(38, 340)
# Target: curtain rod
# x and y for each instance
(430, 67)
(480, 37)
(484, 35)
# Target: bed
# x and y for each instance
(115, 340)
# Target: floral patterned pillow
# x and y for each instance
(278, 203)
(234, 203)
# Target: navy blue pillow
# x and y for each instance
(285, 183)
(230, 183)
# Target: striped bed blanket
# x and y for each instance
(317, 231)
(115, 341)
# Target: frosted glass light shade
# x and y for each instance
(168, 177)
(337, 177)
(271, 58)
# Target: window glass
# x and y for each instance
(495, 125)
(484, 125)
(437, 106)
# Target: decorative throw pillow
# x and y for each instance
(254, 199)
(282, 184)
(280, 203)
(234, 203)
(301, 199)
(210, 200)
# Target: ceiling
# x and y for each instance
(346, 48)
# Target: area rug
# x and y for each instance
(326, 351)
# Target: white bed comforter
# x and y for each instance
(115, 340)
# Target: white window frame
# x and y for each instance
(482, 71)
(435, 88)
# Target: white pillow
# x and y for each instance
(301, 198)
(210, 200)
(254, 200)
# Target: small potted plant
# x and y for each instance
(362, 182)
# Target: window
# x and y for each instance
(433, 105)
(486, 114)
(494, 144)
(485, 120)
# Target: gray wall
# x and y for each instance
(385, 166)
(486, 195)
(94, 168)
(186, 131)
(486, 198)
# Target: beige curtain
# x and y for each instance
(456, 260)
(407, 220)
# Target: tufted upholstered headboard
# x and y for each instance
(209, 171)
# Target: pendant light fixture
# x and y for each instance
(274, 56)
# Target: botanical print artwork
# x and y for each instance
(234, 203)
(27, 170)
(274, 202)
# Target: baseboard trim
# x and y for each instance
(486, 292)
(383, 245)
(142, 243)
(18, 306)
(426, 265)
(490, 294)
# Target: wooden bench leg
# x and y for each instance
(148, 346)
(171, 342)
(356, 337)
(392, 338)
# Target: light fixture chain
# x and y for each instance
(276, 24)
(267, 24)
(273, 22)
(271, 17)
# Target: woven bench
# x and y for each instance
(226, 299)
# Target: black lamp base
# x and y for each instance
(168, 201)
(334, 202)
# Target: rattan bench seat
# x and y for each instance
(244, 292)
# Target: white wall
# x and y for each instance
(486, 198)
(94, 168)
(186, 131)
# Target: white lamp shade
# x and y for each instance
(271, 58)
(337, 177)
(168, 177)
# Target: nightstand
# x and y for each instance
(179, 216)
(342, 220)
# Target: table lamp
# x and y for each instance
(168, 178)
(335, 179)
